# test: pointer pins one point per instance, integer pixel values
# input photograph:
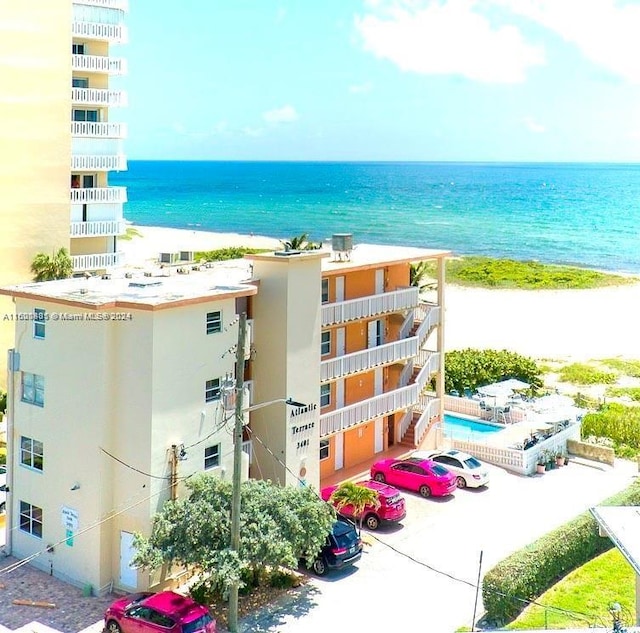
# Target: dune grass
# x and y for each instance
(584, 374)
(622, 392)
(588, 590)
(624, 366)
(229, 252)
(130, 233)
(486, 272)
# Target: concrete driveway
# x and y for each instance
(387, 591)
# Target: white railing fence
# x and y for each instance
(116, 33)
(99, 96)
(98, 194)
(96, 261)
(99, 64)
(94, 129)
(98, 228)
(430, 408)
(84, 162)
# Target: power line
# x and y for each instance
(578, 615)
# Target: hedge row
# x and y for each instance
(529, 572)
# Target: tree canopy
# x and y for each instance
(349, 493)
(279, 526)
(58, 265)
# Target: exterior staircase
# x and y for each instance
(408, 439)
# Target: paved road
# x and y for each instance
(388, 592)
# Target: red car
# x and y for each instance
(422, 475)
(391, 507)
(166, 611)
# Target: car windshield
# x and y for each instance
(344, 534)
(439, 471)
(200, 624)
(472, 462)
(135, 598)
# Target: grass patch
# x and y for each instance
(626, 367)
(486, 272)
(130, 233)
(583, 374)
(589, 590)
(630, 392)
(618, 423)
(230, 252)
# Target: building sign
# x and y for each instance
(70, 518)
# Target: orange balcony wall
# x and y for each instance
(358, 388)
(359, 283)
(359, 444)
(327, 465)
(397, 277)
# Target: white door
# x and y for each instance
(341, 344)
(338, 442)
(340, 393)
(372, 334)
(128, 575)
(339, 289)
(379, 380)
(378, 439)
(379, 281)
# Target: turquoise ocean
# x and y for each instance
(581, 214)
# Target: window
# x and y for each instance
(39, 316)
(214, 322)
(85, 115)
(325, 346)
(31, 453)
(325, 395)
(325, 290)
(79, 82)
(324, 449)
(212, 390)
(212, 456)
(77, 49)
(33, 389)
(31, 519)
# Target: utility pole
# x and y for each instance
(237, 471)
(173, 477)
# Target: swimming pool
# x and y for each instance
(459, 428)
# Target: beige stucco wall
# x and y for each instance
(133, 388)
(286, 314)
(591, 451)
(35, 144)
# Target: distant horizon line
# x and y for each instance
(387, 162)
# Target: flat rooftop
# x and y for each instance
(160, 287)
(622, 525)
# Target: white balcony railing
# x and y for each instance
(96, 261)
(122, 5)
(100, 228)
(371, 305)
(98, 97)
(114, 33)
(99, 64)
(429, 408)
(430, 363)
(366, 410)
(91, 129)
(426, 314)
(368, 358)
(117, 162)
(99, 194)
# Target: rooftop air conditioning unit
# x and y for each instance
(187, 256)
(169, 258)
(342, 245)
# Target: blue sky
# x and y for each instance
(433, 80)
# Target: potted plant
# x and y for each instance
(551, 461)
(540, 466)
(560, 458)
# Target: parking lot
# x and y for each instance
(387, 591)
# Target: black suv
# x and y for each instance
(342, 548)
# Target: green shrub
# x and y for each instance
(283, 579)
(630, 392)
(3, 401)
(229, 252)
(582, 374)
(3, 455)
(472, 368)
(529, 572)
(626, 367)
(616, 421)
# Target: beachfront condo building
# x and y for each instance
(123, 385)
(59, 137)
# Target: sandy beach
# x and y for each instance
(551, 324)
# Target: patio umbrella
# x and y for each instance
(502, 388)
(553, 402)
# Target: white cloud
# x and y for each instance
(285, 114)
(605, 31)
(447, 38)
(533, 126)
(357, 89)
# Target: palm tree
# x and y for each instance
(421, 276)
(300, 243)
(58, 265)
(358, 497)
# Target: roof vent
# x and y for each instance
(143, 283)
(341, 246)
(169, 258)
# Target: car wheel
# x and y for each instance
(425, 491)
(113, 627)
(461, 482)
(319, 567)
(372, 522)
(379, 477)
